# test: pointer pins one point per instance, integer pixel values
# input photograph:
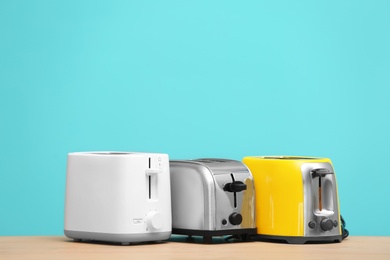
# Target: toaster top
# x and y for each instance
(217, 166)
(286, 157)
(113, 153)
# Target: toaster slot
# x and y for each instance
(319, 194)
(151, 180)
(322, 190)
(235, 193)
(150, 187)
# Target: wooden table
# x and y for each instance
(178, 248)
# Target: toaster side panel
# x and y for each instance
(229, 204)
(279, 196)
(321, 214)
(248, 204)
(192, 195)
(95, 194)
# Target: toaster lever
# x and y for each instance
(235, 186)
(320, 172)
(152, 171)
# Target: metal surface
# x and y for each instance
(199, 201)
(312, 210)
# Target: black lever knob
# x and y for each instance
(235, 218)
(326, 224)
(235, 186)
(320, 172)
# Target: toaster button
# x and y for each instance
(312, 224)
(235, 218)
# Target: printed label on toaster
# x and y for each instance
(137, 220)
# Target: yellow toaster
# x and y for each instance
(296, 199)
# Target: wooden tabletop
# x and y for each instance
(179, 248)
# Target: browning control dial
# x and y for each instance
(326, 224)
(235, 218)
(154, 220)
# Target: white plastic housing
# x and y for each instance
(118, 197)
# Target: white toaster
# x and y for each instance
(118, 197)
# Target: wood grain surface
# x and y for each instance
(181, 248)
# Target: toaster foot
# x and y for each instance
(124, 239)
(245, 237)
(299, 240)
(207, 239)
(243, 234)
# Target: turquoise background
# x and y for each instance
(193, 79)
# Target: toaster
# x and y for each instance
(119, 197)
(296, 199)
(212, 197)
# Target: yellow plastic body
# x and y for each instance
(279, 193)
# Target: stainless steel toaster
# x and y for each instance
(212, 197)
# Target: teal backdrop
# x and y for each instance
(193, 79)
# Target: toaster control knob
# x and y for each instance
(326, 224)
(235, 186)
(235, 218)
(154, 220)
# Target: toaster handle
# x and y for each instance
(320, 172)
(235, 186)
(152, 171)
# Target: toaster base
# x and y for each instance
(125, 239)
(299, 240)
(208, 234)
